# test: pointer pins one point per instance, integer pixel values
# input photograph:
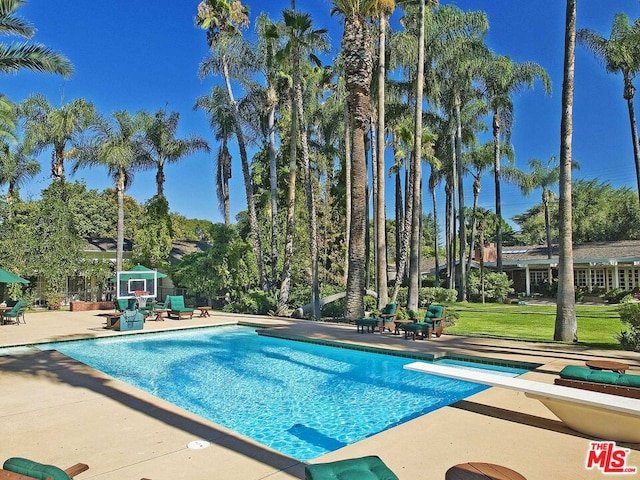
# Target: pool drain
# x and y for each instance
(198, 444)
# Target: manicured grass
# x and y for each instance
(597, 326)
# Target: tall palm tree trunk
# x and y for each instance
(462, 237)
(474, 221)
(160, 178)
(629, 92)
(285, 283)
(416, 172)
(311, 205)
(496, 176)
(380, 224)
(120, 185)
(357, 51)
(566, 324)
(436, 230)
(347, 195)
(248, 183)
(273, 181)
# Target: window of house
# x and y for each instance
(538, 277)
(580, 277)
(597, 278)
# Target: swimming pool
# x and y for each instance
(301, 399)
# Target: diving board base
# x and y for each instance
(601, 415)
(593, 421)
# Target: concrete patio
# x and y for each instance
(58, 411)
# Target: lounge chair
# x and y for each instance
(175, 305)
(600, 415)
(432, 323)
(122, 304)
(364, 468)
(16, 312)
(612, 383)
(387, 318)
(17, 468)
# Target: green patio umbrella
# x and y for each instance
(8, 277)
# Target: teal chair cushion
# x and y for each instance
(33, 469)
(389, 309)
(574, 372)
(365, 468)
(434, 311)
(15, 310)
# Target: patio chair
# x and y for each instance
(431, 324)
(387, 317)
(364, 468)
(175, 305)
(16, 312)
(17, 468)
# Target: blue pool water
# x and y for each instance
(301, 399)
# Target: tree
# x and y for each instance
(30, 56)
(357, 55)
(384, 12)
(152, 242)
(502, 78)
(566, 327)
(543, 176)
(59, 127)
(620, 53)
(161, 144)
(15, 168)
(303, 38)
(216, 105)
(229, 55)
(116, 145)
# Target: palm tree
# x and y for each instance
(216, 106)
(304, 39)
(58, 127)
(32, 56)
(620, 53)
(501, 79)
(16, 166)
(161, 144)
(357, 55)
(542, 176)
(566, 327)
(229, 55)
(117, 145)
(385, 11)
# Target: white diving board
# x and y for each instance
(601, 415)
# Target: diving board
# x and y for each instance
(601, 415)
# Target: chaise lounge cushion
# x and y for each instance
(574, 372)
(365, 468)
(33, 469)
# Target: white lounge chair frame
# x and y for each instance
(596, 414)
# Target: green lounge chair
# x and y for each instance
(364, 468)
(366, 323)
(431, 324)
(15, 313)
(388, 317)
(175, 305)
(21, 468)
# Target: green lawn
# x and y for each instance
(597, 326)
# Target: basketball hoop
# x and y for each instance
(141, 297)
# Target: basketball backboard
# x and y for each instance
(130, 283)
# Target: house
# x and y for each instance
(597, 267)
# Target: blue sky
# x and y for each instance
(145, 55)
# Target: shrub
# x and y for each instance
(497, 286)
(334, 309)
(618, 295)
(630, 317)
(429, 295)
(255, 302)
